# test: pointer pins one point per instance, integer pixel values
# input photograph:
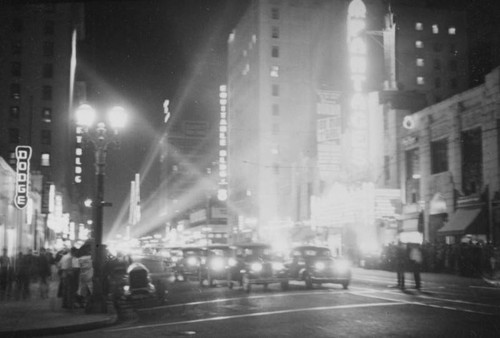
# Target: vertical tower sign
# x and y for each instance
(358, 121)
(222, 192)
(23, 155)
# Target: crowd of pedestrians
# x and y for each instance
(71, 268)
(465, 259)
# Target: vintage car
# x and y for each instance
(316, 265)
(214, 268)
(255, 263)
(188, 266)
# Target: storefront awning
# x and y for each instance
(464, 221)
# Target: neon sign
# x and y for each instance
(23, 155)
(222, 192)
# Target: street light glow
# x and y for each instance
(85, 115)
(117, 117)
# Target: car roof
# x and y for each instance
(310, 247)
(252, 245)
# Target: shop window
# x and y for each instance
(439, 156)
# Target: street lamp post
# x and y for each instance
(101, 137)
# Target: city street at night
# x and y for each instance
(446, 306)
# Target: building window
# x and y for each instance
(45, 160)
(437, 64)
(275, 33)
(419, 26)
(420, 80)
(47, 92)
(452, 31)
(419, 44)
(472, 161)
(14, 113)
(454, 83)
(275, 13)
(276, 129)
(420, 62)
(46, 137)
(435, 29)
(14, 135)
(437, 46)
(437, 82)
(15, 91)
(276, 90)
(15, 69)
(275, 53)
(48, 28)
(47, 115)
(17, 25)
(48, 71)
(412, 163)
(276, 109)
(275, 71)
(12, 158)
(453, 65)
(48, 48)
(17, 47)
(439, 156)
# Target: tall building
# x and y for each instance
(35, 93)
(291, 79)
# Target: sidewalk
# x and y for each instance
(37, 316)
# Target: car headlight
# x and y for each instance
(256, 267)
(231, 262)
(217, 264)
(342, 266)
(278, 266)
(192, 261)
(319, 265)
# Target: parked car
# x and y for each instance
(188, 266)
(316, 265)
(255, 263)
(214, 268)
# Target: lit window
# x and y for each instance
(45, 160)
(419, 44)
(452, 31)
(15, 91)
(14, 113)
(275, 71)
(435, 29)
(275, 52)
(47, 115)
(420, 80)
(420, 62)
(419, 26)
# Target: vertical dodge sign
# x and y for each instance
(23, 155)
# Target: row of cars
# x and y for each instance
(250, 264)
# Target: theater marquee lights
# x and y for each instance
(358, 121)
(222, 192)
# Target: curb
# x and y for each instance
(111, 320)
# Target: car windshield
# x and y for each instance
(259, 157)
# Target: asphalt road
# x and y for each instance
(446, 306)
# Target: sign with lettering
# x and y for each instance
(23, 156)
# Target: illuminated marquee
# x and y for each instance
(23, 155)
(222, 192)
(78, 155)
(358, 121)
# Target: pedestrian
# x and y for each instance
(4, 274)
(401, 262)
(85, 288)
(415, 256)
(23, 266)
(44, 273)
(74, 276)
(65, 268)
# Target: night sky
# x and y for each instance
(139, 53)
